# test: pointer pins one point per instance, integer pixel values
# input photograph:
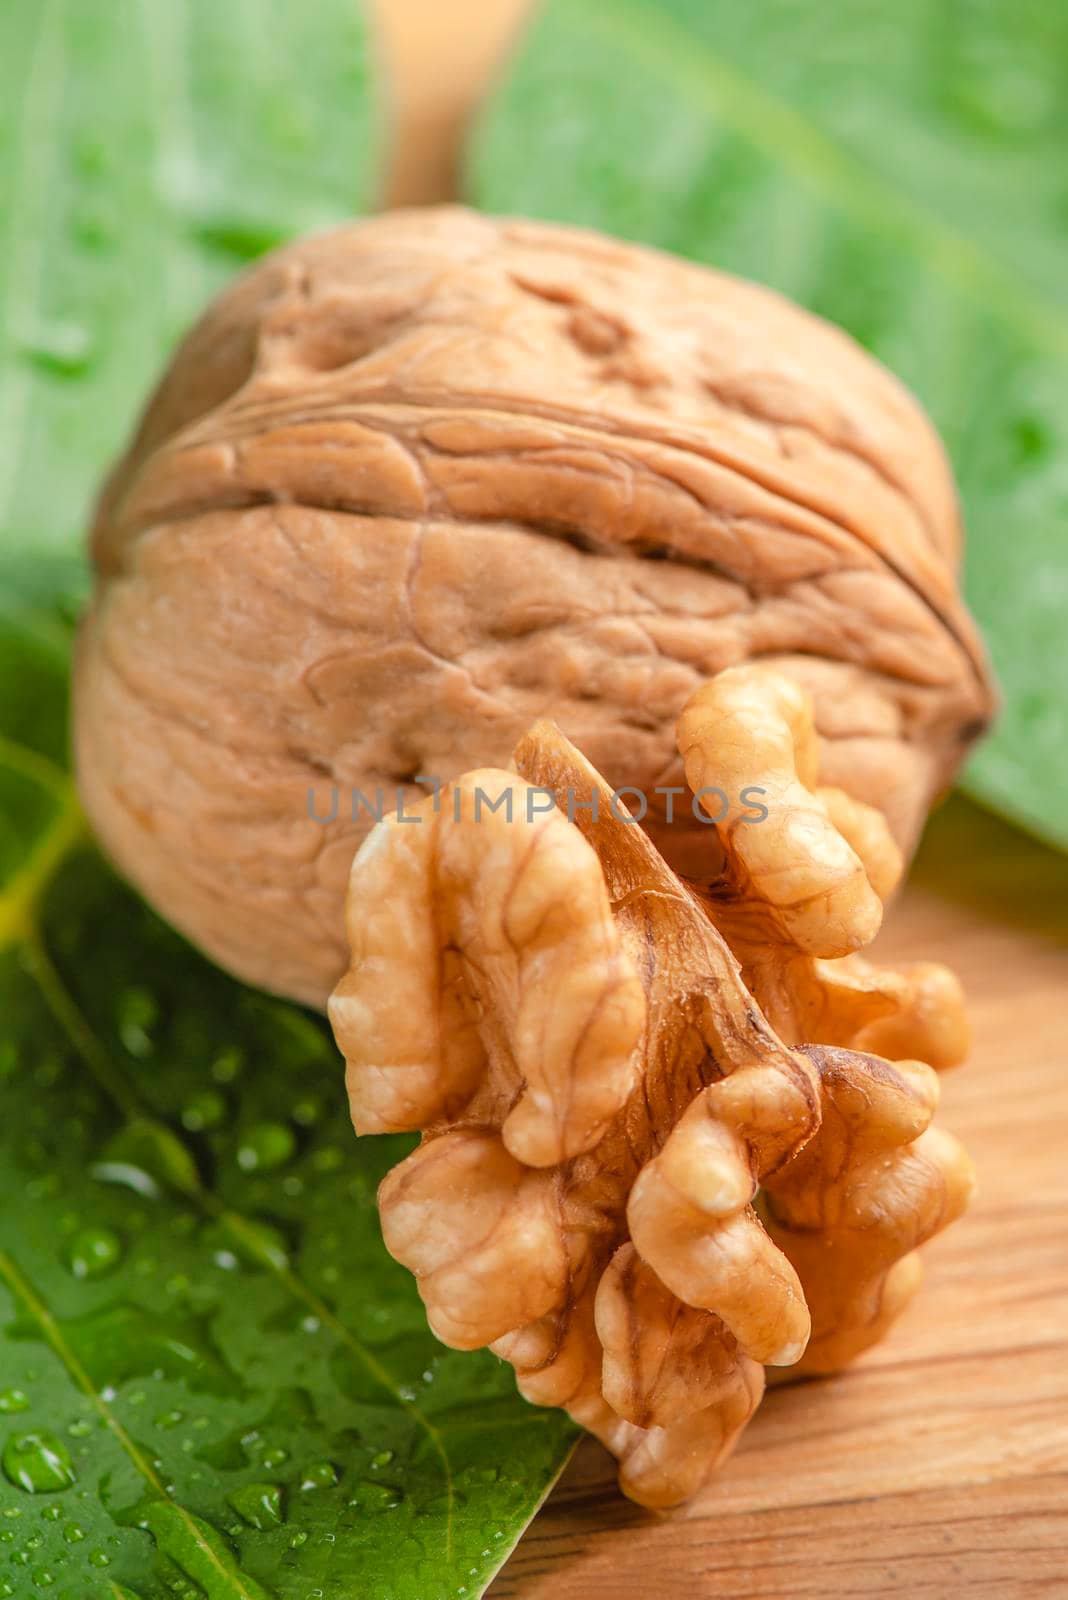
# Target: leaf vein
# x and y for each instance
(112, 1080)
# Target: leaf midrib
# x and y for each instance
(113, 1081)
(22, 892)
(24, 1291)
(792, 140)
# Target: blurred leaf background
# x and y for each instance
(898, 166)
(148, 151)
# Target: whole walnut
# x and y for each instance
(410, 485)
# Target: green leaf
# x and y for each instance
(899, 167)
(214, 1381)
(146, 151)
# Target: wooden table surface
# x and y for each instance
(938, 1465)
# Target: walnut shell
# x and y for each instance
(412, 484)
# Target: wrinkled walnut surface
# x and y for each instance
(630, 1185)
(412, 484)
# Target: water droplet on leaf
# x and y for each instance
(371, 1496)
(14, 1400)
(319, 1475)
(94, 1252)
(204, 1111)
(266, 1147)
(228, 1064)
(259, 1504)
(307, 1112)
(136, 1014)
(38, 1462)
(234, 1239)
(147, 1157)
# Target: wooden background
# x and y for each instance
(938, 1465)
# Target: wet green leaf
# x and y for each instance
(213, 1379)
(146, 152)
(896, 165)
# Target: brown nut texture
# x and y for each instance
(799, 895)
(413, 484)
(630, 1185)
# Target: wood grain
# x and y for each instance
(438, 57)
(938, 1466)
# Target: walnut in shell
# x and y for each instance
(413, 484)
(629, 1184)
